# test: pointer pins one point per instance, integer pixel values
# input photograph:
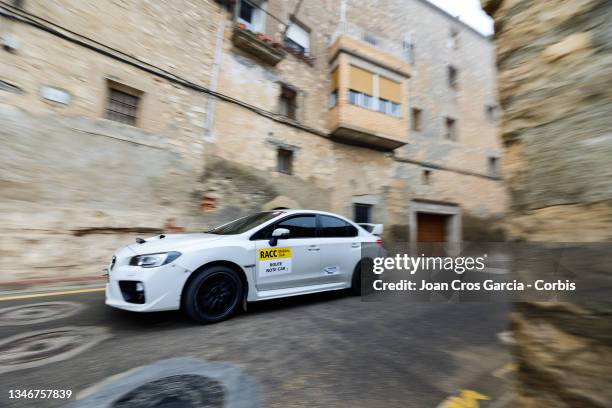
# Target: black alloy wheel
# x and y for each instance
(214, 295)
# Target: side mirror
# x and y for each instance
(277, 234)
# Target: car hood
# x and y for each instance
(172, 242)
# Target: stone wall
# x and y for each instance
(555, 72)
(73, 188)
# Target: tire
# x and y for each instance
(355, 289)
(213, 295)
(363, 267)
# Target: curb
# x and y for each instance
(50, 284)
(42, 281)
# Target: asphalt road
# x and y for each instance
(327, 350)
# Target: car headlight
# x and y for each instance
(154, 260)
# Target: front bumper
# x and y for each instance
(162, 287)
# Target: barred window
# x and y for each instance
(288, 102)
(453, 77)
(415, 119)
(451, 129)
(362, 213)
(284, 162)
(122, 106)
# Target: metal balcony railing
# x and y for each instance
(395, 48)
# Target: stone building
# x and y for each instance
(124, 117)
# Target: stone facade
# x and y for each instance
(209, 125)
(555, 72)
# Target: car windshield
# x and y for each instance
(245, 223)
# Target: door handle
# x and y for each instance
(313, 248)
(355, 245)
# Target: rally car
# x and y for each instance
(266, 255)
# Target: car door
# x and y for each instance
(294, 261)
(340, 249)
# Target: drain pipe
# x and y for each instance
(209, 135)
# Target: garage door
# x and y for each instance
(431, 227)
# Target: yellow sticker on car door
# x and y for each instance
(273, 261)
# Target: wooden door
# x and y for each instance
(431, 227)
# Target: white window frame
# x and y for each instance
(259, 16)
(295, 31)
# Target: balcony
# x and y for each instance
(257, 45)
(355, 39)
(364, 127)
(369, 95)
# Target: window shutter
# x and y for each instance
(361, 80)
(299, 36)
(390, 90)
(334, 79)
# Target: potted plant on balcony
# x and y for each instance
(257, 44)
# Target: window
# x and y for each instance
(301, 226)
(360, 99)
(333, 98)
(390, 93)
(361, 83)
(408, 48)
(335, 227)
(250, 13)
(122, 104)
(454, 39)
(297, 39)
(415, 118)
(284, 163)
(384, 106)
(353, 96)
(452, 77)
(493, 166)
(362, 213)
(245, 223)
(8, 87)
(361, 80)
(451, 129)
(370, 39)
(491, 113)
(426, 177)
(55, 94)
(288, 99)
(388, 107)
(396, 109)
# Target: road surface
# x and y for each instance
(326, 350)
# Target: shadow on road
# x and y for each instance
(121, 319)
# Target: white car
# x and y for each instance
(266, 255)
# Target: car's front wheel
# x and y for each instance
(213, 295)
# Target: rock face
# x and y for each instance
(555, 83)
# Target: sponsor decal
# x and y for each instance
(273, 261)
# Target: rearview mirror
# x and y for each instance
(277, 234)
